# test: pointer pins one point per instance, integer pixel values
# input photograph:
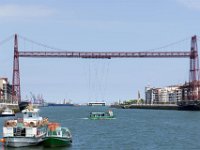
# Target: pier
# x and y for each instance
(148, 106)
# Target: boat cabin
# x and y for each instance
(97, 114)
(55, 130)
(31, 115)
(101, 115)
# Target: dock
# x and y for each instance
(148, 106)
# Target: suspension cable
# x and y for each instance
(54, 48)
(6, 40)
(39, 44)
(170, 44)
(198, 38)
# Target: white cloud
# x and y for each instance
(25, 11)
(191, 4)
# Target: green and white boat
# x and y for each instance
(101, 115)
(57, 136)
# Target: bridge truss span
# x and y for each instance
(106, 55)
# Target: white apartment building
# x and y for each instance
(151, 95)
(169, 94)
(5, 90)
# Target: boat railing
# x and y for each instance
(25, 135)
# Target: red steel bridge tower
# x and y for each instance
(193, 86)
(194, 91)
(16, 93)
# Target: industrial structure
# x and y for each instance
(192, 91)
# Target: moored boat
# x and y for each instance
(54, 104)
(193, 105)
(26, 131)
(101, 115)
(7, 112)
(22, 105)
(57, 136)
(97, 104)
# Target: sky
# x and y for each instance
(97, 25)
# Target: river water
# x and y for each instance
(131, 130)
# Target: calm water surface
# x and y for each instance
(131, 130)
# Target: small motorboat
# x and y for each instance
(101, 115)
(57, 136)
(7, 112)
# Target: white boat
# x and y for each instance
(26, 131)
(7, 112)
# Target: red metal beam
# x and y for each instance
(108, 55)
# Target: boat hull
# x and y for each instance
(52, 104)
(22, 141)
(101, 118)
(189, 105)
(56, 141)
(7, 115)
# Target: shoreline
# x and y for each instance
(148, 106)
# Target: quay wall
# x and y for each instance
(148, 106)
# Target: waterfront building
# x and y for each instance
(5, 90)
(165, 95)
(151, 95)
